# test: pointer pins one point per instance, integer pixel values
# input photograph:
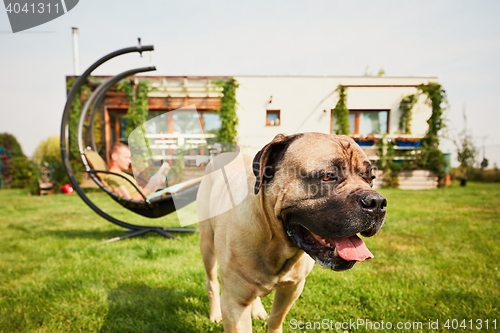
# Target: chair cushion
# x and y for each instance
(97, 163)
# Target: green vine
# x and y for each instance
(341, 112)
(431, 157)
(436, 97)
(74, 117)
(137, 95)
(406, 106)
(227, 111)
(387, 165)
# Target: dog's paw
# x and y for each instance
(216, 317)
(259, 314)
(258, 311)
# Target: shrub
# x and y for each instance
(18, 171)
(48, 155)
(477, 174)
(22, 173)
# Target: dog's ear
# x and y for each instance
(266, 160)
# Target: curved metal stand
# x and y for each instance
(97, 97)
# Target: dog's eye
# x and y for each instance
(328, 177)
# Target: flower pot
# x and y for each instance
(405, 143)
(368, 143)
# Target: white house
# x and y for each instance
(268, 105)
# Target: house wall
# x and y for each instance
(306, 103)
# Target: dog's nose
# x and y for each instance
(373, 202)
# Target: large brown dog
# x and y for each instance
(309, 195)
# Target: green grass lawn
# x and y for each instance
(436, 259)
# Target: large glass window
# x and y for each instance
(211, 122)
(177, 126)
(372, 122)
(186, 123)
(159, 125)
(364, 122)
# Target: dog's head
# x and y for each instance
(320, 187)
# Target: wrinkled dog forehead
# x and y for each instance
(316, 151)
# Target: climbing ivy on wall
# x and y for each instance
(74, 116)
(137, 95)
(405, 106)
(436, 97)
(341, 112)
(227, 111)
(431, 157)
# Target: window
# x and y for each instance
(211, 122)
(364, 122)
(273, 118)
(117, 126)
(187, 122)
(171, 124)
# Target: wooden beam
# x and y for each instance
(166, 103)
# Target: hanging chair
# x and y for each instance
(173, 198)
(154, 208)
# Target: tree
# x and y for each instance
(466, 154)
(9, 142)
(466, 151)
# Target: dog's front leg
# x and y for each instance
(210, 262)
(236, 315)
(286, 294)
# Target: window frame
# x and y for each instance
(273, 111)
(357, 113)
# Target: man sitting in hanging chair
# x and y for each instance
(120, 159)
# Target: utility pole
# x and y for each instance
(76, 52)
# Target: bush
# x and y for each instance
(18, 171)
(48, 155)
(477, 174)
(22, 173)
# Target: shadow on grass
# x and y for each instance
(91, 234)
(140, 308)
(106, 234)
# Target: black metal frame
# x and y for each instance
(135, 230)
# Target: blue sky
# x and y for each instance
(457, 41)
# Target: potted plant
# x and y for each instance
(366, 141)
(408, 142)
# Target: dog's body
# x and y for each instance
(261, 243)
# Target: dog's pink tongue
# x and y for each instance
(352, 249)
